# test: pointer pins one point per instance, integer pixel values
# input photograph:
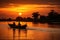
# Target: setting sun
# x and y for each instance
(20, 13)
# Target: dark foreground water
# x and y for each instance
(33, 32)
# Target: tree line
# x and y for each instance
(53, 16)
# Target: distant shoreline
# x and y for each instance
(16, 21)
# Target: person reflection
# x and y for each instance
(14, 34)
(24, 32)
(19, 34)
(14, 24)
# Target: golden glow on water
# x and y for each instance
(7, 33)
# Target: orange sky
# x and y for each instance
(13, 11)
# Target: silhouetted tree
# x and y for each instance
(43, 19)
(53, 16)
(29, 19)
(24, 19)
(19, 18)
(9, 19)
(35, 16)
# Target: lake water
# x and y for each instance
(34, 32)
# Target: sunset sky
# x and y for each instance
(12, 8)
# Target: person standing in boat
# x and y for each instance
(19, 25)
(14, 23)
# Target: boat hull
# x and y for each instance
(17, 27)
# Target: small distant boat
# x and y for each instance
(14, 26)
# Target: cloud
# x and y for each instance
(5, 3)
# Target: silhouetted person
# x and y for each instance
(14, 23)
(19, 25)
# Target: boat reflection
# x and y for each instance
(19, 34)
(14, 34)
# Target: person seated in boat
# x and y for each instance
(14, 23)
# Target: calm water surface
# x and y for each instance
(34, 32)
